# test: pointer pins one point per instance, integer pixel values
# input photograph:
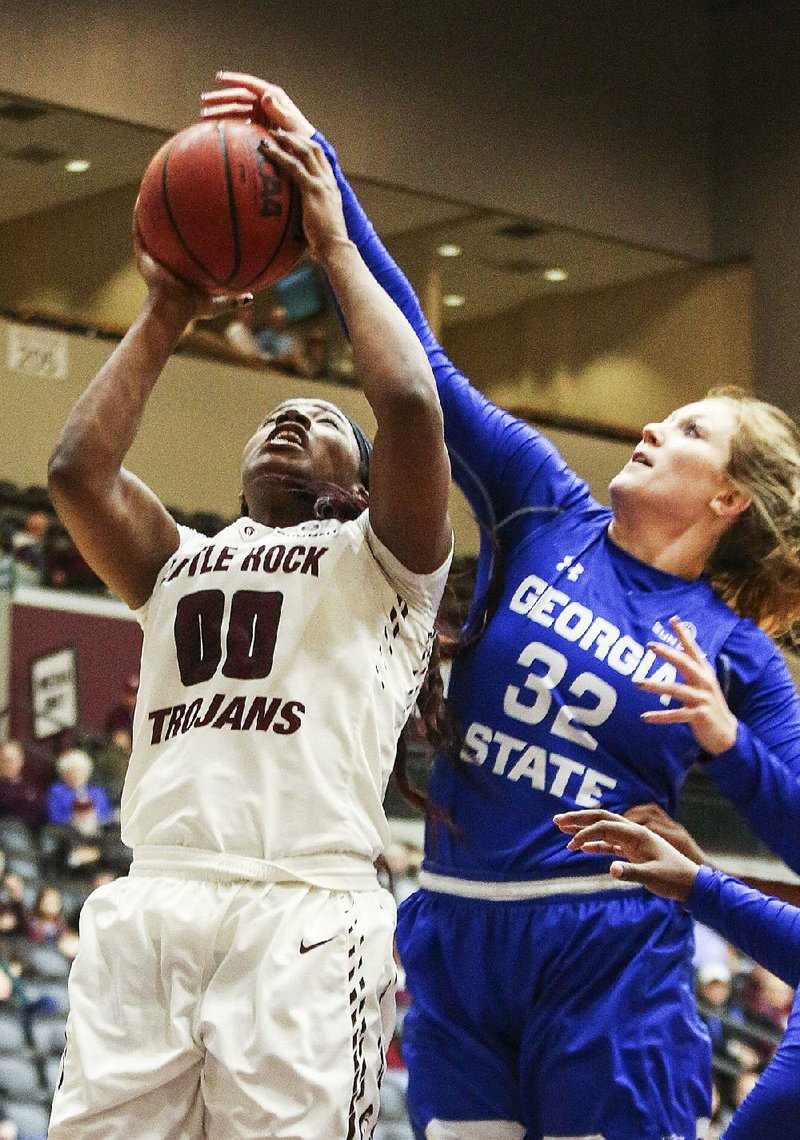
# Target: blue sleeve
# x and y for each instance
(501, 464)
(766, 929)
(102, 804)
(761, 772)
(59, 804)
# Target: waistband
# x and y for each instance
(528, 889)
(336, 871)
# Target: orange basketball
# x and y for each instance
(217, 212)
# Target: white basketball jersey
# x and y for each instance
(278, 667)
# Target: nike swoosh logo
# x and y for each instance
(304, 949)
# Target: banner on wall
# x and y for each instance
(54, 692)
(37, 352)
(69, 658)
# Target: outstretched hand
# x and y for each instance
(702, 703)
(652, 861)
(305, 163)
(652, 816)
(188, 299)
(244, 96)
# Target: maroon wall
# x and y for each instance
(107, 649)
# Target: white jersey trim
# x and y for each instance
(342, 871)
(528, 889)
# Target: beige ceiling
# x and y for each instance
(494, 273)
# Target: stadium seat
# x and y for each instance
(55, 993)
(31, 1118)
(52, 1071)
(16, 838)
(12, 1031)
(20, 1076)
(46, 962)
(47, 1034)
(393, 1098)
(392, 1130)
(24, 864)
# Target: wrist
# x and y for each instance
(687, 878)
(172, 308)
(332, 249)
(727, 738)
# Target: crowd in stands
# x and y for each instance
(59, 840)
(37, 550)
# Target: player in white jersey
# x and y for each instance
(239, 983)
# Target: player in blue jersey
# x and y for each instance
(764, 928)
(548, 1000)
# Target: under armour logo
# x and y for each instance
(575, 569)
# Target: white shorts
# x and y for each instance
(227, 1010)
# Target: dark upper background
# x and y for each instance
(644, 137)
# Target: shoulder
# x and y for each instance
(754, 664)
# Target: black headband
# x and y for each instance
(364, 450)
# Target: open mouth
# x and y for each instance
(640, 457)
(291, 434)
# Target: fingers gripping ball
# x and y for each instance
(213, 209)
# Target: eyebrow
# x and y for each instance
(689, 416)
(322, 408)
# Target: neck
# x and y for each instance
(279, 505)
(681, 551)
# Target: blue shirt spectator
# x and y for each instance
(72, 799)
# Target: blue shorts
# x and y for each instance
(573, 1016)
(773, 1107)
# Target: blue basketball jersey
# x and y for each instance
(547, 699)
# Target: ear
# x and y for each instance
(730, 503)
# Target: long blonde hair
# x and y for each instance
(755, 567)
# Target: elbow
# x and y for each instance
(413, 395)
(67, 474)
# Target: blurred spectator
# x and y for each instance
(65, 567)
(102, 878)
(317, 351)
(717, 1007)
(48, 923)
(278, 344)
(709, 947)
(20, 798)
(72, 799)
(240, 334)
(15, 993)
(766, 998)
(73, 853)
(121, 716)
(12, 905)
(29, 546)
(111, 763)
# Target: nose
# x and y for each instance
(653, 433)
(293, 415)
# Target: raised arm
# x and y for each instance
(500, 463)
(409, 470)
(117, 523)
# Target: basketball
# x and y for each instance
(217, 212)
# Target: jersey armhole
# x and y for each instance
(422, 590)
